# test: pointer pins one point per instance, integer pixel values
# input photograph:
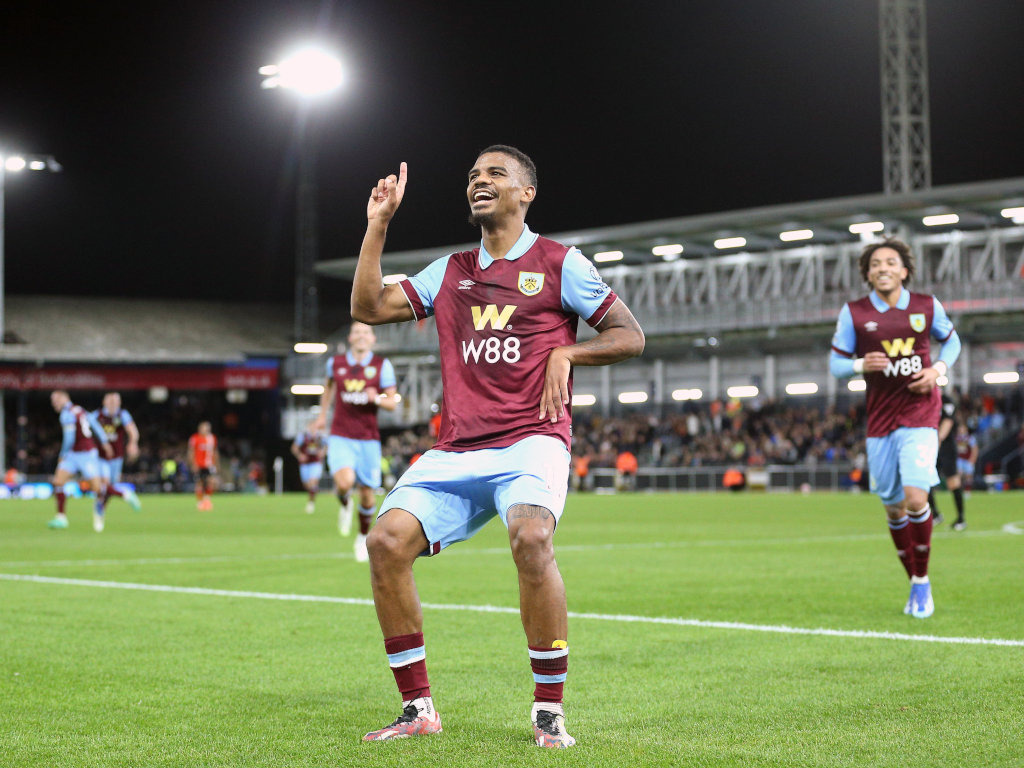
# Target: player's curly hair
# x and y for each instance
(906, 256)
(523, 159)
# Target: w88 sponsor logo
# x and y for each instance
(905, 366)
(492, 349)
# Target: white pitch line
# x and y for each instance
(493, 550)
(1014, 528)
(776, 628)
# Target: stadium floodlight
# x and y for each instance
(942, 381)
(667, 252)
(730, 242)
(37, 165)
(687, 394)
(392, 279)
(806, 388)
(857, 385)
(1012, 213)
(310, 348)
(608, 256)
(307, 389)
(311, 72)
(1001, 377)
(866, 227)
(940, 219)
(627, 398)
(738, 392)
(578, 400)
(796, 234)
(15, 163)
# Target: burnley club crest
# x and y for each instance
(530, 283)
(917, 322)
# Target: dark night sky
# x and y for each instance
(177, 180)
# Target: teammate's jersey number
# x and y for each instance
(926, 455)
(492, 349)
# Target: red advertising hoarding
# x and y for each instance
(106, 377)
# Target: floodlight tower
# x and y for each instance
(906, 133)
(14, 164)
(312, 73)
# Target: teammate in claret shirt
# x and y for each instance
(78, 456)
(887, 336)
(123, 436)
(358, 383)
(310, 448)
(506, 315)
(203, 458)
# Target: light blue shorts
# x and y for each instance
(110, 470)
(905, 457)
(84, 463)
(964, 467)
(363, 456)
(454, 495)
(311, 472)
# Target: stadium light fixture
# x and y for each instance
(15, 163)
(628, 398)
(687, 394)
(806, 388)
(668, 252)
(941, 219)
(311, 72)
(1012, 213)
(796, 234)
(392, 279)
(857, 385)
(310, 348)
(866, 227)
(730, 242)
(307, 389)
(738, 392)
(578, 400)
(1001, 377)
(608, 256)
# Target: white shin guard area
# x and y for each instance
(777, 629)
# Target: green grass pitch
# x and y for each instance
(95, 676)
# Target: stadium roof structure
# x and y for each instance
(49, 329)
(977, 206)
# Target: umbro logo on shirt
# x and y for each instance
(870, 326)
(465, 285)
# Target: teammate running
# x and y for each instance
(203, 459)
(78, 456)
(887, 337)
(123, 436)
(310, 448)
(506, 319)
(358, 383)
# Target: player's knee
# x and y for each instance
(386, 546)
(531, 547)
(917, 499)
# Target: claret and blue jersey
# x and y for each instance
(78, 453)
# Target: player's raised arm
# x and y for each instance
(373, 302)
(619, 338)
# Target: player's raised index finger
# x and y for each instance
(403, 176)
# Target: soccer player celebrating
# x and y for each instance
(310, 448)
(887, 336)
(123, 436)
(506, 316)
(203, 458)
(358, 383)
(78, 456)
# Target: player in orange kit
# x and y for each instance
(203, 459)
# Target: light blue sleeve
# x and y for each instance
(583, 290)
(942, 326)
(97, 429)
(330, 367)
(428, 282)
(69, 436)
(67, 418)
(126, 418)
(297, 442)
(845, 337)
(842, 367)
(950, 349)
(387, 375)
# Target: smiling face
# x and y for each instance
(498, 189)
(361, 339)
(886, 271)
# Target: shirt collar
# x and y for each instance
(901, 303)
(352, 358)
(523, 244)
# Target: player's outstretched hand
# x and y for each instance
(875, 361)
(556, 386)
(387, 196)
(923, 381)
